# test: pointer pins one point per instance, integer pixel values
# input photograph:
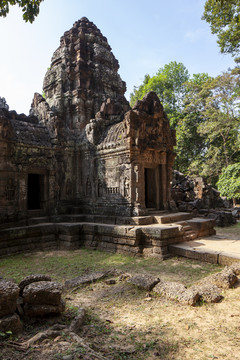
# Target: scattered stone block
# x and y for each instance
(188, 297)
(31, 279)
(144, 281)
(11, 323)
(235, 267)
(87, 279)
(224, 279)
(43, 292)
(9, 292)
(209, 293)
(41, 310)
(169, 289)
(78, 321)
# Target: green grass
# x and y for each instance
(233, 229)
(69, 264)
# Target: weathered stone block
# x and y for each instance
(9, 292)
(11, 323)
(39, 310)
(42, 292)
(144, 281)
(31, 279)
(209, 293)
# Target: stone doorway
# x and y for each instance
(35, 184)
(150, 188)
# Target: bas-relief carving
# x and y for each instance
(10, 189)
(84, 133)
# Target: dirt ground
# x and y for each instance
(124, 322)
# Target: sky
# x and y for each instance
(144, 36)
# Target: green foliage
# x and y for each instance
(208, 135)
(224, 20)
(30, 8)
(222, 124)
(168, 85)
(190, 143)
(205, 113)
(229, 181)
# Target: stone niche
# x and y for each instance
(82, 146)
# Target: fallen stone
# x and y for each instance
(33, 310)
(178, 292)
(169, 289)
(209, 293)
(188, 297)
(9, 292)
(235, 267)
(11, 323)
(146, 282)
(43, 292)
(31, 279)
(224, 279)
(77, 322)
(87, 279)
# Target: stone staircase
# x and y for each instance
(189, 232)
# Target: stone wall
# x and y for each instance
(82, 146)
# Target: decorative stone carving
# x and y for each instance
(82, 144)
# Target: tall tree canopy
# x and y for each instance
(205, 112)
(219, 126)
(30, 8)
(229, 182)
(168, 84)
(191, 145)
(224, 19)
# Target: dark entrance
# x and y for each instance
(150, 188)
(34, 191)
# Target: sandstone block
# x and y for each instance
(33, 278)
(144, 281)
(43, 292)
(9, 292)
(225, 279)
(39, 310)
(78, 320)
(11, 323)
(209, 293)
(170, 290)
(235, 267)
(86, 279)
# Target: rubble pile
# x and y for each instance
(195, 195)
(35, 296)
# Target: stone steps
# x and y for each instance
(172, 218)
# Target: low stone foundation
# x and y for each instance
(148, 236)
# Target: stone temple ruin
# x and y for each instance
(84, 168)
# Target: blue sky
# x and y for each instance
(144, 36)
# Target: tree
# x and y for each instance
(224, 19)
(229, 182)
(191, 145)
(168, 84)
(217, 121)
(30, 8)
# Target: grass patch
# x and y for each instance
(62, 265)
(232, 230)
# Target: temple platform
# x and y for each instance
(150, 235)
(216, 249)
